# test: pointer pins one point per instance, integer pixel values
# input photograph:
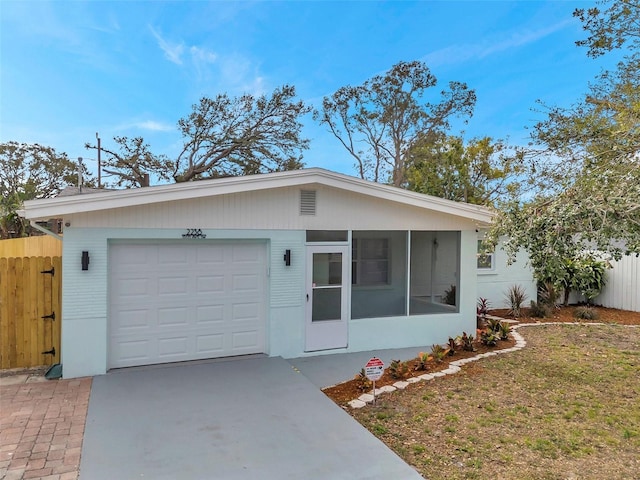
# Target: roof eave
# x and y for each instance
(62, 206)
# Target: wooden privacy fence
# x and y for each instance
(40, 246)
(30, 297)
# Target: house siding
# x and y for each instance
(494, 284)
(276, 209)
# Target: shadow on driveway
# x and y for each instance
(247, 418)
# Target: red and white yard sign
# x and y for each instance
(374, 369)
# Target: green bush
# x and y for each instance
(539, 310)
(589, 276)
(515, 296)
(586, 313)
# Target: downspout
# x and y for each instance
(44, 230)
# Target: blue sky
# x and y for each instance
(134, 68)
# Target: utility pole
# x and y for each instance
(99, 165)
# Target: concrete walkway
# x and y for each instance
(41, 427)
(248, 418)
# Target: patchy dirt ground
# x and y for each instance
(564, 407)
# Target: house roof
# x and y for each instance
(67, 205)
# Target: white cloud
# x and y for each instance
(202, 55)
(459, 54)
(173, 51)
(153, 126)
(149, 125)
(211, 71)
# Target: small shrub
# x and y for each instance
(438, 353)
(362, 382)
(504, 331)
(398, 370)
(539, 310)
(450, 295)
(494, 324)
(466, 342)
(452, 346)
(590, 276)
(548, 294)
(586, 313)
(482, 309)
(489, 338)
(515, 296)
(423, 360)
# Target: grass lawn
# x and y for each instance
(565, 407)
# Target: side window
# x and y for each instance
(370, 261)
(485, 257)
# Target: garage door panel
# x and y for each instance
(209, 314)
(245, 311)
(134, 256)
(175, 348)
(244, 340)
(173, 317)
(173, 285)
(132, 320)
(133, 351)
(132, 287)
(173, 307)
(245, 283)
(173, 255)
(205, 255)
(210, 283)
(210, 344)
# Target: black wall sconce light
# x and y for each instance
(287, 257)
(85, 260)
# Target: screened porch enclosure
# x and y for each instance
(399, 273)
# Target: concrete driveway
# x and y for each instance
(249, 418)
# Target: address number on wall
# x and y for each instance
(194, 233)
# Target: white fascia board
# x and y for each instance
(407, 197)
(61, 206)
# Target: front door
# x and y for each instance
(327, 296)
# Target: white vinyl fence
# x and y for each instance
(623, 285)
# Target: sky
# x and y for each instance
(70, 70)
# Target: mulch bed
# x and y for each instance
(347, 391)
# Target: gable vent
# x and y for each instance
(307, 202)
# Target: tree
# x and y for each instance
(29, 171)
(134, 163)
(227, 136)
(481, 172)
(379, 121)
(587, 166)
(616, 27)
(587, 173)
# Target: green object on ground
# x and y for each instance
(54, 372)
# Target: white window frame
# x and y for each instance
(489, 255)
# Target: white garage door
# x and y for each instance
(183, 301)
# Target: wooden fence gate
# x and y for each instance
(30, 313)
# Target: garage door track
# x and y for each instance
(248, 418)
